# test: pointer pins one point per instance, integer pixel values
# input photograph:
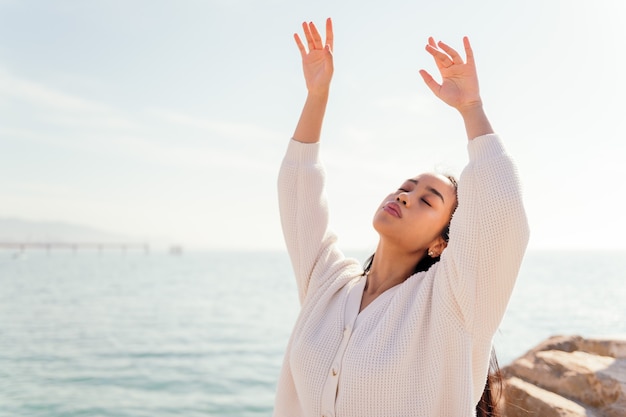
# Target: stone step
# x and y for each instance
(578, 373)
(523, 399)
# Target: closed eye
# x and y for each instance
(426, 201)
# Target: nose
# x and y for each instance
(402, 198)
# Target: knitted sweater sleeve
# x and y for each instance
(304, 216)
(488, 237)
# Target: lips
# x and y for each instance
(393, 209)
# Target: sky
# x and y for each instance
(167, 121)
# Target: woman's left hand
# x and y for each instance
(459, 85)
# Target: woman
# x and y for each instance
(391, 341)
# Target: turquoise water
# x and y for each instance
(203, 334)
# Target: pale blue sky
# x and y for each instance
(169, 119)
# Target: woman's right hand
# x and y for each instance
(317, 58)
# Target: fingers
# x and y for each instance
(430, 82)
(300, 44)
(441, 59)
(306, 27)
(330, 37)
(445, 55)
(469, 53)
(456, 58)
(317, 38)
(314, 38)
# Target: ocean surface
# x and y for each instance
(203, 334)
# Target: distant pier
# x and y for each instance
(75, 246)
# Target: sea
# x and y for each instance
(121, 334)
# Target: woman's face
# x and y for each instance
(414, 216)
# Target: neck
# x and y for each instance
(389, 268)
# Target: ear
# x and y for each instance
(437, 247)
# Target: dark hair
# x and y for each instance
(423, 265)
(494, 387)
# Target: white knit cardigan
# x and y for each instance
(421, 348)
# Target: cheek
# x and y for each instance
(432, 222)
(442, 220)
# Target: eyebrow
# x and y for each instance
(431, 189)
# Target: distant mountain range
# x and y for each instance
(26, 231)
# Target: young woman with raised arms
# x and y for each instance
(410, 334)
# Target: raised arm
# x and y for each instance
(317, 64)
(489, 229)
(459, 85)
(301, 195)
